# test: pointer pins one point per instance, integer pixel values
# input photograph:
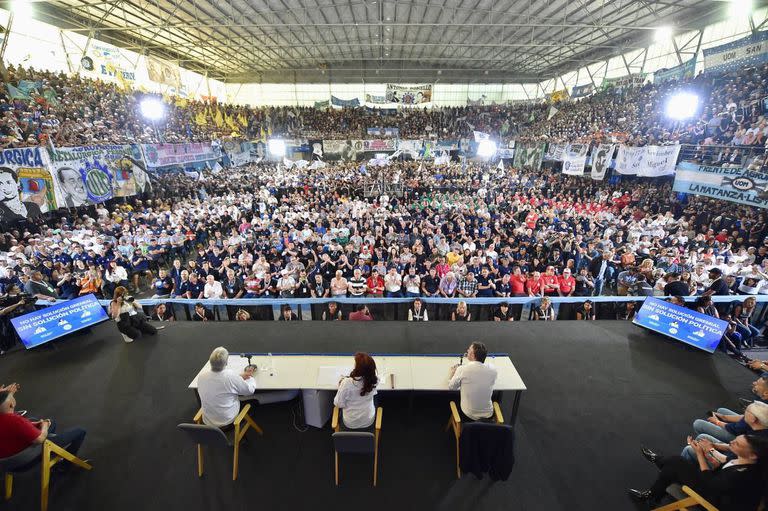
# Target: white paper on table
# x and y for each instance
(329, 376)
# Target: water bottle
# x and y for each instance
(271, 365)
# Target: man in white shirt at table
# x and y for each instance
(220, 390)
(475, 381)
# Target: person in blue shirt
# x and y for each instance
(195, 287)
(485, 284)
(140, 267)
(163, 285)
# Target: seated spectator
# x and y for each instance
(467, 287)
(162, 313)
(163, 285)
(18, 433)
(374, 284)
(361, 314)
(448, 285)
(674, 286)
(201, 313)
(242, 315)
(584, 283)
(287, 314)
(220, 390)
(393, 282)
(418, 312)
(586, 312)
(356, 392)
(503, 313)
(566, 283)
(627, 311)
(738, 484)
(332, 312)
(357, 284)
(641, 287)
(339, 285)
(461, 312)
(742, 314)
(544, 311)
(38, 287)
(725, 425)
(319, 289)
(212, 289)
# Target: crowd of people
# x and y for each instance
(71, 110)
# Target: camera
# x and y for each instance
(25, 298)
(129, 298)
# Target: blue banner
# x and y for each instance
(750, 51)
(738, 185)
(682, 72)
(345, 103)
(582, 90)
(60, 319)
(699, 330)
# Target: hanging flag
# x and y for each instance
(200, 119)
(480, 136)
(15, 93)
(219, 119)
(552, 112)
(500, 166)
(363, 170)
(50, 97)
(288, 163)
(421, 167)
(216, 168)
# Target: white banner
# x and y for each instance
(555, 152)
(409, 95)
(629, 160)
(659, 160)
(412, 147)
(750, 50)
(601, 159)
(574, 159)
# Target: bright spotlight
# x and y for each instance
(152, 109)
(22, 9)
(276, 147)
(682, 106)
(486, 148)
(662, 34)
(739, 8)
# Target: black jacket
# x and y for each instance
(487, 448)
(594, 266)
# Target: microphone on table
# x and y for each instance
(461, 359)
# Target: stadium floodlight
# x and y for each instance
(682, 105)
(739, 8)
(276, 147)
(662, 34)
(486, 149)
(152, 109)
(22, 10)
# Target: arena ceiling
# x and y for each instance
(453, 41)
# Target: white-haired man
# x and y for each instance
(220, 389)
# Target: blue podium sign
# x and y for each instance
(685, 325)
(59, 319)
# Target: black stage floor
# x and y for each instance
(596, 392)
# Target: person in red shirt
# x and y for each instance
(550, 282)
(567, 283)
(375, 284)
(534, 284)
(517, 281)
(361, 314)
(18, 433)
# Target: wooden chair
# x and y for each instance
(454, 422)
(687, 498)
(356, 442)
(202, 434)
(48, 454)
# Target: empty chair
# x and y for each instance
(687, 498)
(356, 442)
(47, 454)
(454, 422)
(202, 434)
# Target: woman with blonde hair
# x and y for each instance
(545, 311)
(461, 313)
(742, 314)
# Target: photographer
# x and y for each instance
(14, 303)
(129, 316)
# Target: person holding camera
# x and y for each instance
(129, 316)
(14, 303)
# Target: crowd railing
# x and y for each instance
(719, 155)
(438, 309)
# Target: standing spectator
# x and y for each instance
(601, 268)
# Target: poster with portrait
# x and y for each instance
(160, 71)
(409, 95)
(27, 187)
(342, 149)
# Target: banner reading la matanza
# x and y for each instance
(738, 185)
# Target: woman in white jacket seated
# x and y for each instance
(355, 394)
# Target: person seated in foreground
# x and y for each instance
(544, 311)
(332, 312)
(242, 315)
(475, 382)
(361, 314)
(220, 389)
(503, 313)
(162, 313)
(201, 313)
(418, 312)
(586, 312)
(355, 395)
(18, 433)
(287, 314)
(725, 425)
(737, 484)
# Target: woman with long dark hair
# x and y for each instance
(355, 394)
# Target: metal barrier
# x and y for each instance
(743, 156)
(438, 309)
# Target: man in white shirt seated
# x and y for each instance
(220, 390)
(475, 380)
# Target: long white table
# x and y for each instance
(317, 376)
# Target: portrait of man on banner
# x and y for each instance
(72, 187)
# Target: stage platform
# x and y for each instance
(596, 392)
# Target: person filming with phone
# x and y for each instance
(475, 380)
